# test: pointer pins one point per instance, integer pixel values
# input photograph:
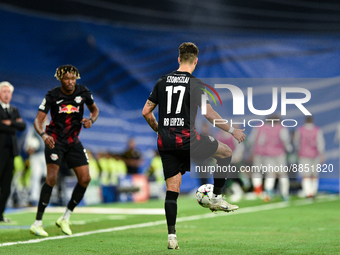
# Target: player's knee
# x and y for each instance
(227, 152)
(223, 151)
(85, 180)
(173, 187)
(52, 174)
(51, 180)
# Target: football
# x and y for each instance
(204, 194)
(32, 143)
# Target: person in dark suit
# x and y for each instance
(10, 123)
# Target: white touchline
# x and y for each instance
(181, 219)
(99, 210)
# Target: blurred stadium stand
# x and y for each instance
(122, 47)
(280, 15)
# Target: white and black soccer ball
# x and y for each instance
(33, 143)
(204, 194)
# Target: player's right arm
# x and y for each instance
(38, 125)
(39, 120)
(149, 116)
(150, 105)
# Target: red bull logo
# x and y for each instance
(68, 109)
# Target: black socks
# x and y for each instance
(77, 196)
(219, 182)
(171, 210)
(45, 196)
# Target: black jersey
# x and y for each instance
(66, 113)
(178, 95)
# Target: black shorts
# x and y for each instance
(74, 155)
(174, 162)
(203, 148)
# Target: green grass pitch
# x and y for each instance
(295, 227)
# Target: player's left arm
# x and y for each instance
(149, 116)
(94, 113)
(213, 115)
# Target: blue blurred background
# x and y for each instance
(121, 48)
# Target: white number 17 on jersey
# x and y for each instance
(170, 90)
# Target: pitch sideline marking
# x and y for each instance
(181, 219)
(99, 210)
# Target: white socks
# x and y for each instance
(67, 214)
(269, 184)
(315, 184)
(37, 223)
(216, 198)
(310, 186)
(284, 186)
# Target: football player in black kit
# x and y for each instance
(178, 96)
(66, 105)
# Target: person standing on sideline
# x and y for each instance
(178, 96)
(276, 145)
(61, 137)
(35, 147)
(257, 141)
(10, 123)
(310, 145)
(132, 157)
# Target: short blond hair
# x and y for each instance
(6, 84)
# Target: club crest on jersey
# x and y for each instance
(68, 109)
(54, 156)
(78, 99)
(211, 138)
